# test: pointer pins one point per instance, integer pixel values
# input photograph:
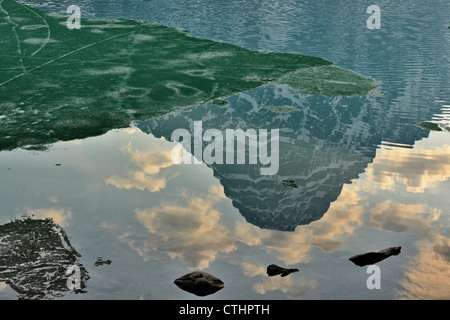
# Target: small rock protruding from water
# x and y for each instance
(199, 283)
(369, 258)
(274, 270)
(100, 262)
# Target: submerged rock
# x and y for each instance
(369, 258)
(273, 270)
(100, 262)
(199, 283)
(38, 261)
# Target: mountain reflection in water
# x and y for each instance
(324, 143)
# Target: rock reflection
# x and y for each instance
(35, 255)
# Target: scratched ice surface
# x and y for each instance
(61, 84)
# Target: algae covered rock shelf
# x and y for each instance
(59, 84)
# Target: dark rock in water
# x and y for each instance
(199, 283)
(221, 103)
(274, 270)
(38, 261)
(369, 258)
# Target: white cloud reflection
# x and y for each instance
(3, 285)
(191, 227)
(60, 216)
(138, 180)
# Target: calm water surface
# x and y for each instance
(367, 176)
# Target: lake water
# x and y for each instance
(363, 175)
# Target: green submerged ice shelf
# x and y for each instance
(61, 84)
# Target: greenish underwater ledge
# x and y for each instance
(58, 84)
